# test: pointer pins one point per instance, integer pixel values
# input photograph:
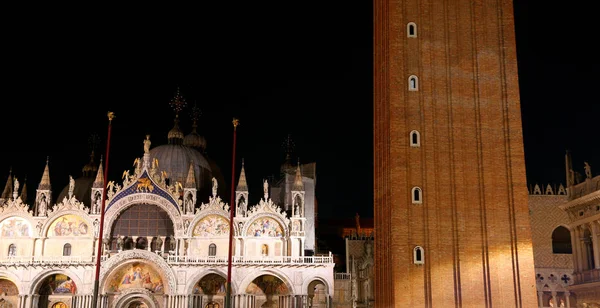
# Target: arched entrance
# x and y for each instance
(318, 296)
(268, 291)
(56, 290)
(9, 294)
(209, 291)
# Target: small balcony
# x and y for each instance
(587, 276)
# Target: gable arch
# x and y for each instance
(60, 213)
(284, 226)
(221, 214)
(273, 272)
(189, 288)
(23, 216)
(126, 202)
(36, 282)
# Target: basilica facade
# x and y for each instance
(161, 245)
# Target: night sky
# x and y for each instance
(293, 69)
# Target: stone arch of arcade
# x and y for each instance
(198, 277)
(252, 277)
(41, 278)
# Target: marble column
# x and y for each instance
(574, 240)
(567, 299)
(149, 243)
(555, 299)
(581, 259)
(595, 245)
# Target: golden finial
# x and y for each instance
(235, 122)
(111, 115)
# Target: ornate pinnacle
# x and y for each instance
(177, 102)
(195, 113)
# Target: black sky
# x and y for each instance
(290, 68)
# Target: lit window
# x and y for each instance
(561, 240)
(67, 249)
(417, 197)
(212, 250)
(12, 250)
(413, 83)
(418, 255)
(415, 139)
(411, 29)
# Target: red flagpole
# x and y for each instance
(236, 122)
(111, 116)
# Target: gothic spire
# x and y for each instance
(45, 182)
(24, 191)
(99, 181)
(242, 184)
(298, 184)
(190, 181)
(8, 188)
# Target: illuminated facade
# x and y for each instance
(450, 195)
(162, 245)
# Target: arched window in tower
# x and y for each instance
(417, 195)
(67, 249)
(12, 250)
(212, 250)
(561, 240)
(415, 139)
(413, 83)
(418, 255)
(411, 29)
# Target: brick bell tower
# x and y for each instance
(450, 202)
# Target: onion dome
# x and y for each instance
(175, 135)
(194, 139)
(90, 169)
(83, 185)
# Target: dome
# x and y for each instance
(175, 133)
(82, 190)
(175, 160)
(194, 140)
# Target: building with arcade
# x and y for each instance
(165, 238)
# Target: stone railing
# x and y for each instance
(343, 276)
(251, 260)
(49, 260)
(587, 276)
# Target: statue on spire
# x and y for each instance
(147, 143)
